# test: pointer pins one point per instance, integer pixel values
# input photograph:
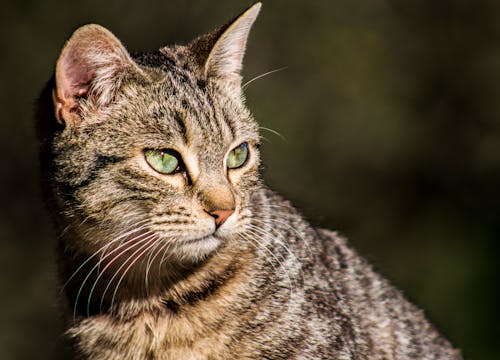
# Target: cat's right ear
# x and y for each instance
(91, 66)
(220, 53)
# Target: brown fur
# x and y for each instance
(148, 268)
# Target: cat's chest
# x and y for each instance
(205, 329)
(207, 324)
(155, 337)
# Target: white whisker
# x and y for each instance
(261, 76)
(126, 244)
(148, 247)
(103, 249)
(274, 132)
(151, 259)
(166, 248)
(255, 239)
(142, 243)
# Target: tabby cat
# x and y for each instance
(170, 246)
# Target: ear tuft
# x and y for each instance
(92, 64)
(226, 56)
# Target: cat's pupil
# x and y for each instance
(164, 161)
(238, 156)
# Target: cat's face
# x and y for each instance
(157, 152)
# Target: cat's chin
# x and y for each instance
(196, 249)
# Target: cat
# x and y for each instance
(170, 246)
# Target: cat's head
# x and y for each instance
(155, 149)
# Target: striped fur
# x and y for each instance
(145, 272)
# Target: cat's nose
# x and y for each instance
(221, 216)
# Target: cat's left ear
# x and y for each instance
(225, 59)
(92, 66)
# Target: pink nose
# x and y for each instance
(221, 216)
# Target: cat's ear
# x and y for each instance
(225, 57)
(91, 66)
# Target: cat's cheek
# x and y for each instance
(238, 177)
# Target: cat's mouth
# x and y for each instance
(200, 239)
(197, 248)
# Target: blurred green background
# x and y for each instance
(390, 113)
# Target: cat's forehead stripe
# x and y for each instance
(181, 126)
(207, 114)
(204, 113)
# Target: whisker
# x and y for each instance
(166, 248)
(273, 132)
(145, 224)
(277, 240)
(103, 248)
(262, 75)
(292, 284)
(148, 247)
(255, 239)
(109, 263)
(258, 233)
(284, 223)
(265, 139)
(145, 242)
(151, 259)
(90, 273)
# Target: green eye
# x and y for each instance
(163, 161)
(238, 156)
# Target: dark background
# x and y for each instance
(390, 115)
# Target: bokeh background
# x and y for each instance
(389, 115)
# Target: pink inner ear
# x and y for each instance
(72, 82)
(75, 78)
